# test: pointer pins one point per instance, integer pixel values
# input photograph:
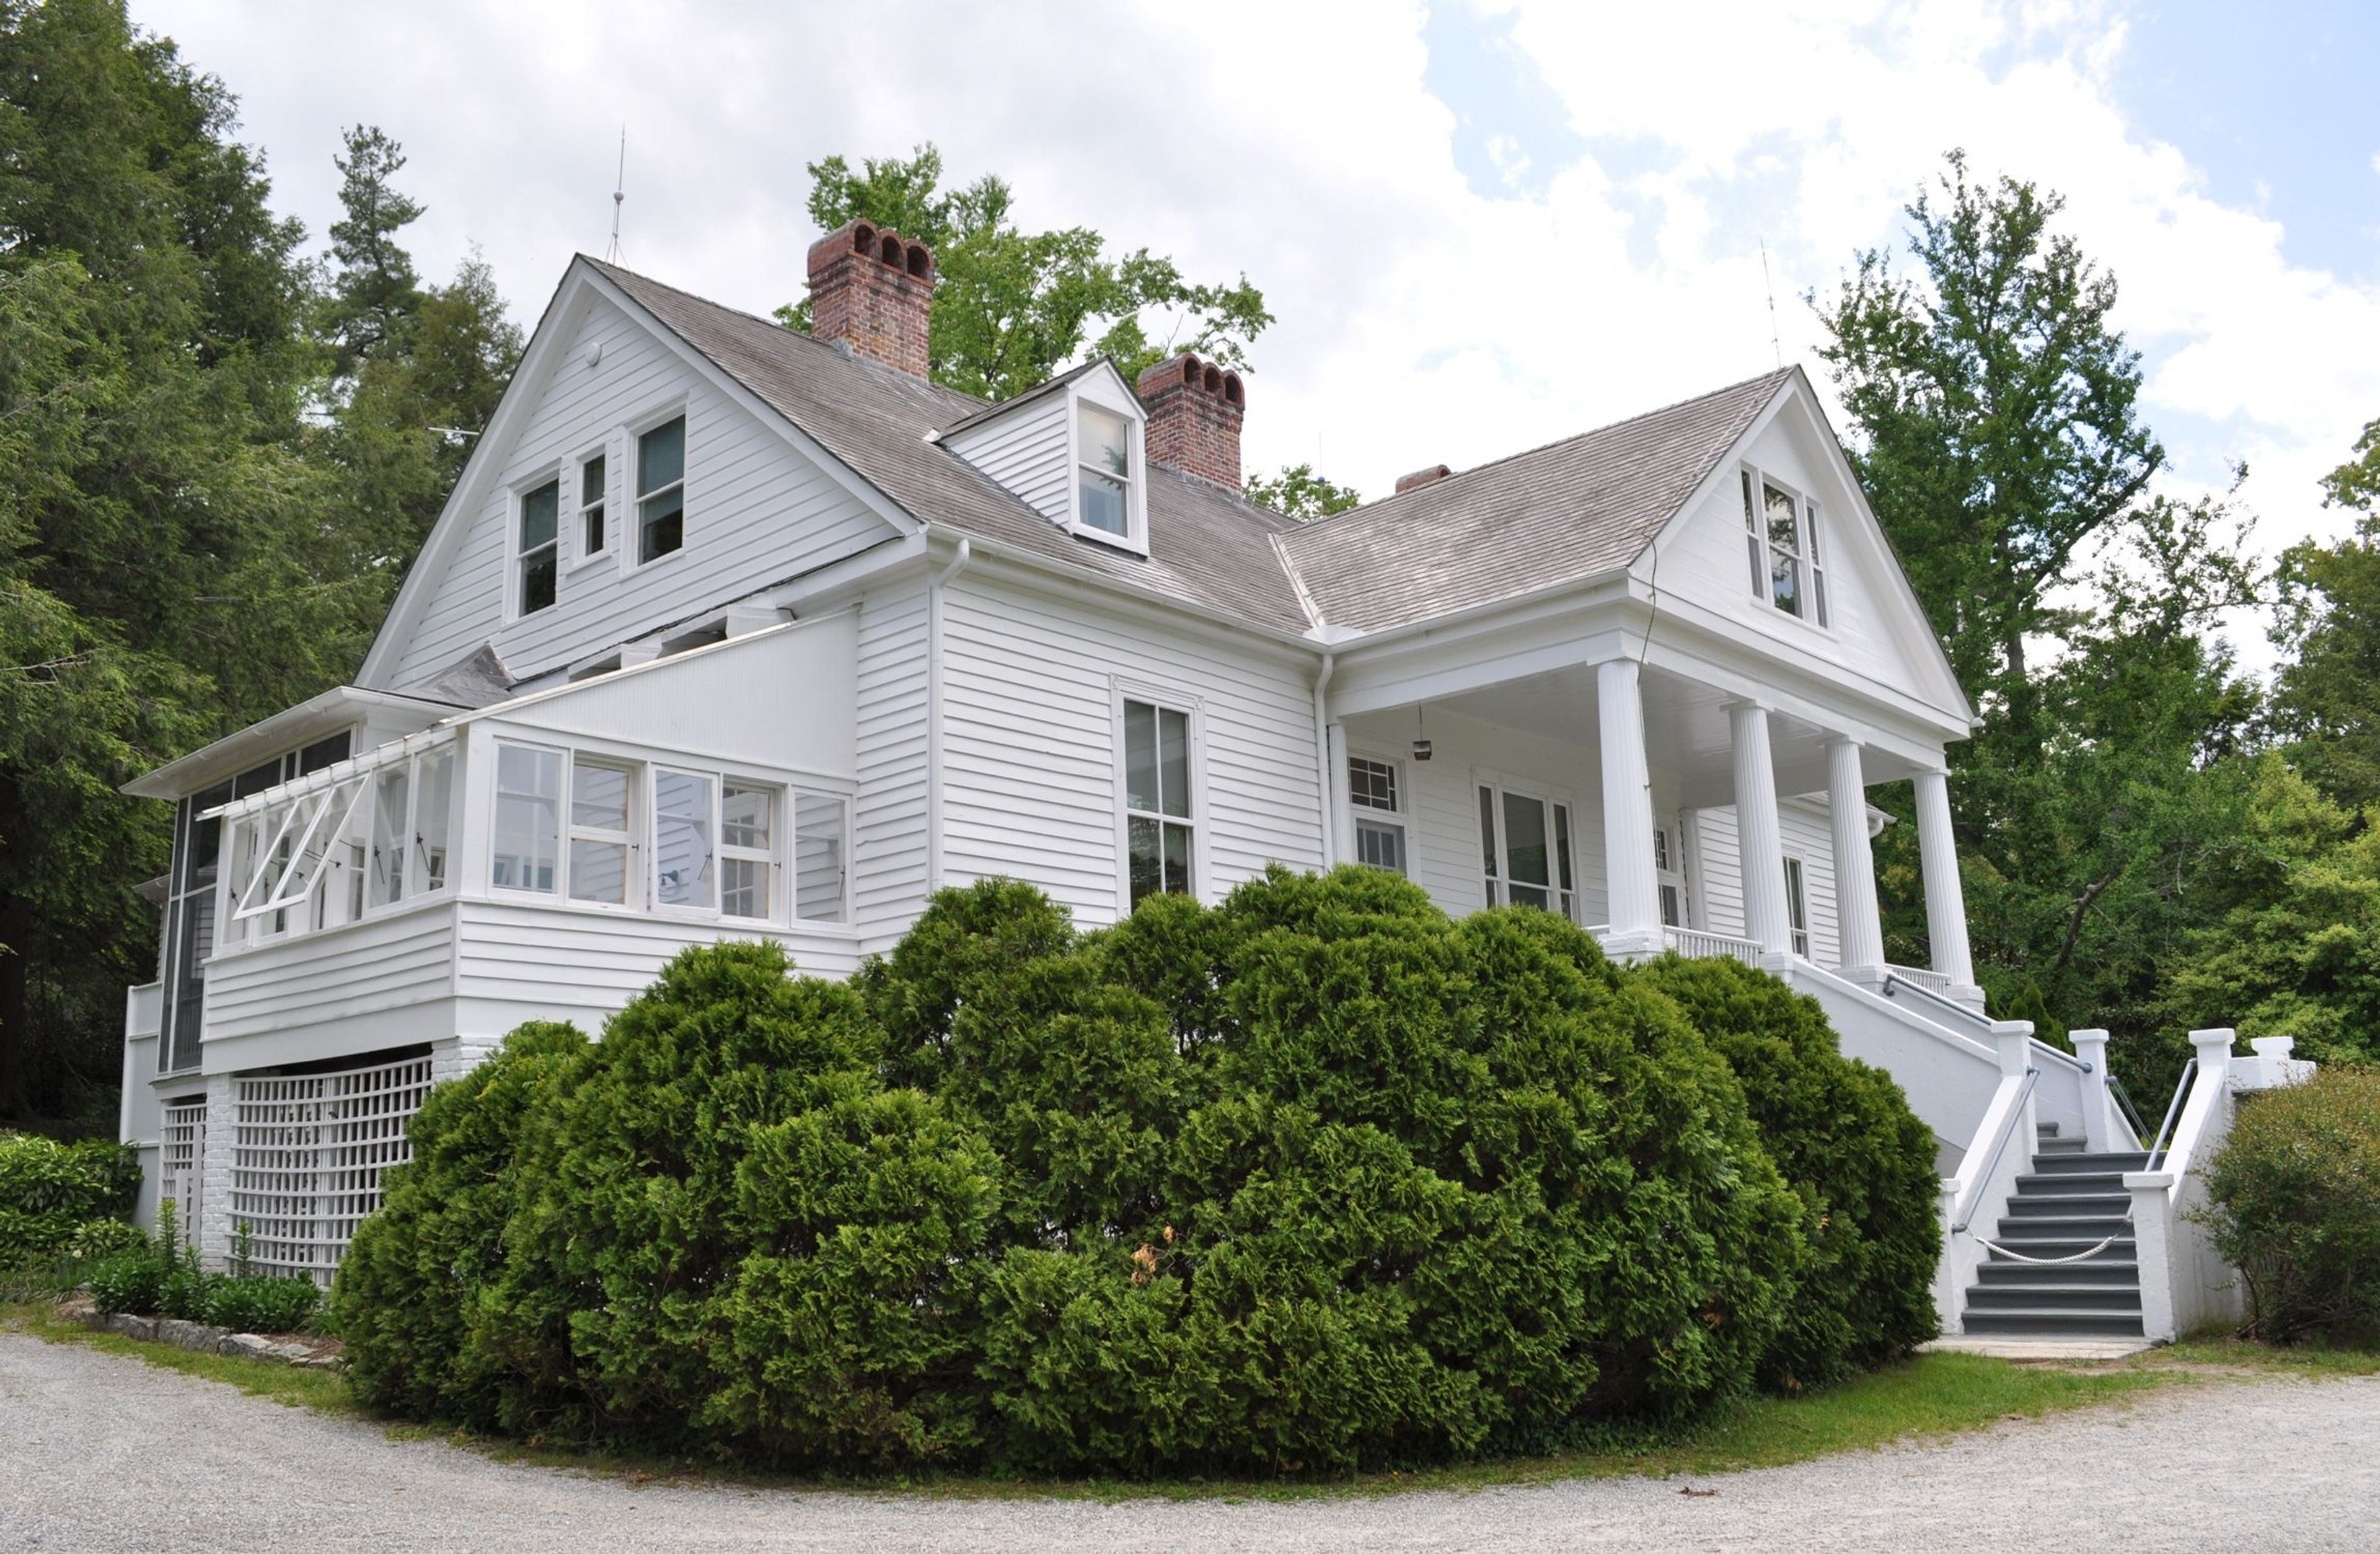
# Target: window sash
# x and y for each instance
(1525, 851)
(527, 845)
(594, 540)
(1372, 784)
(748, 859)
(686, 832)
(602, 814)
(661, 491)
(1381, 844)
(1104, 473)
(539, 546)
(1781, 537)
(1160, 832)
(1796, 913)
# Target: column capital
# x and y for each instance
(1745, 704)
(1834, 737)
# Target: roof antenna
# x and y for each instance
(1775, 348)
(620, 196)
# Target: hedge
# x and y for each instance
(2294, 1204)
(51, 1192)
(1313, 1180)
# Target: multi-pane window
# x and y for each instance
(529, 819)
(1669, 870)
(1157, 835)
(1525, 851)
(1380, 833)
(392, 816)
(661, 490)
(1781, 538)
(541, 519)
(594, 539)
(821, 823)
(599, 838)
(1797, 914)
(746, 860)
(1104, 483)
(685, 833)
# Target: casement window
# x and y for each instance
(405, 853)
(661, 491)
(601, 841)
(594, 534)
(1524, 851)
(1104, 476)
(746, 861)
(685, 807)
(540, 529)
(1797, 913)
(821, 846)
(1160, 838)
(1781, 538)
(528, 820)
(1372, 792)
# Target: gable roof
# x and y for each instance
(1206, 545)
(1563, 513)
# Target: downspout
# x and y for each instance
(959, 559)
(1322, 760)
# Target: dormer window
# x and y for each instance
(1781, 535)
(1103, 493)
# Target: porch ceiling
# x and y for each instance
(1686, 738)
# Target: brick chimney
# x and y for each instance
(1194, 409)
(872, 291)
(1420, 478)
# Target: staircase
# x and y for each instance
(2067, 1203)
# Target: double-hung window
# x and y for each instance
(1104, 481)
(599, 838)
(746, 861)
(1781, 538)
(1524, 851)
(1669, 870)
(541, 519)
(685, 807)
(594, 535)
(1373, 792)
(661, 491)
(1159, 835)
(1797, 914)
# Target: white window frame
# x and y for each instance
(1670, 869)
(515, 591)
(792, 834)
(1809, 554)
(1136, 535)
(626, 838)
(632, 557)
(1562, 876)
(1797, 904)
(653, 842)
(1394, 816)
(1194, 731)
(561, 890)
(771, 858)
(609, 499)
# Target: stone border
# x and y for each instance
(307, 1353)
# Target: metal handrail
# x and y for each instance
(2181, 1094)
(2043, 1049)
(2124, 1100)
(2007, 1126)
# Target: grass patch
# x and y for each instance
(2311, 1358)
(283, 1383)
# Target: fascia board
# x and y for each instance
(236, 751)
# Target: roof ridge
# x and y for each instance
(1441, 482)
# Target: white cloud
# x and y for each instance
(1421, 319)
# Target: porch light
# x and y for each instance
(1421, 750)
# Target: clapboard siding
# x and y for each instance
(1804, 827)
(1025, 451)
(1029, 744)
(575, 963)
(888, 849)
(756, 510)
(321, 978)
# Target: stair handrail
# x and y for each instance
(2165, 1130)
(2124, 1102)
(1999, 1147)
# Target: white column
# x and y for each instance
(1342, 818)
(1760, 843)
(1946, 907)
(1635, 897)
(1861, 924)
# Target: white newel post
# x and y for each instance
(1760, 841)
(1862, 924)
(2102, 1130)
(1635, 889)
(1945, 903)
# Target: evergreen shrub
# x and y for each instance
(1315, 1179)
(50, 1192)
(1849, 1145)
(2294, 1204)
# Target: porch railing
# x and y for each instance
(1932, 981)
(1695, 945)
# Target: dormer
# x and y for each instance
(1075, 450)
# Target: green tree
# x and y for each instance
(1011, 305)
(2327, 695)
(375, 293)
(1296, 491)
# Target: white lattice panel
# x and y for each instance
(308, 1156)
(182, 1152)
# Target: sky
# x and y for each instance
(1482, 224)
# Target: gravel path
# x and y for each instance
(97, 1451)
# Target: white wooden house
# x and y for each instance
(728, 631)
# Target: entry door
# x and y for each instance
(1669, 869)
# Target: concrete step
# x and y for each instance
(2108, 1269)
(2066, 1224)
(2048, 1146)
(2064, 1296)
(2053, 1320)
(2038, 1184)
(2065, 1162)
(2034, 1205)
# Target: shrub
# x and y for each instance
(48, 1191)
(1847, 1144)
(260, 1304)
(126, 1282)
(98, 1239)
(2294, 1204)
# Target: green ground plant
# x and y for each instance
(53, 1194)
(160, 1276)
(2294, 1204)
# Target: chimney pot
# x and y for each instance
(872, 294)
(1421, 478)
(1194, 411)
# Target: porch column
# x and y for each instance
(1946, 907)
(1861, 924)
(1760, 843)
(1633, 896)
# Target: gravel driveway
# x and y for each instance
(99, 1452)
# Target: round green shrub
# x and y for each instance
(2294, 1204)
(96, 1239)
(257, 1304)
(48, 1191)
(1847, 1144)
